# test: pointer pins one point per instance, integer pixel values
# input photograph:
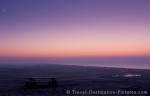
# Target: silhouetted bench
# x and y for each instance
(40, 82)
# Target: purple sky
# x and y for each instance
(74, 28)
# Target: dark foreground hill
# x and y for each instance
(75, 80)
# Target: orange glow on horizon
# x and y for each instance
(74, 53)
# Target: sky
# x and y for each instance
(74, 28)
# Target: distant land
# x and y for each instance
(136, 62)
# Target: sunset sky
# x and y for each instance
(74, 28)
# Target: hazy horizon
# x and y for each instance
(121, 62)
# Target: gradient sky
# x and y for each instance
(63, 28)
